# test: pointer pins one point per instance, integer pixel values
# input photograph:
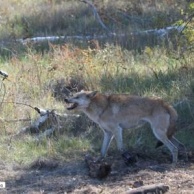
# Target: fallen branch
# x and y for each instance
(150, 189)
(187, 21)
(15, 120)
(46, 124)
(158, 33)
(96, 15)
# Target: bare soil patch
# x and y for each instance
(52, 176)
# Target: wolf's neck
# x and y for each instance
(96, 108)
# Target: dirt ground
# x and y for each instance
(51, 176)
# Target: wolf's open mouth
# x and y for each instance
(72, 106)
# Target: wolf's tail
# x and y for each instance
(173, 120)
(172, 125)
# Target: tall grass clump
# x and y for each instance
(110, 70)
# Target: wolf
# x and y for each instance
(116, 112)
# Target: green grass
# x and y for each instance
(109, 70)
(24, 151)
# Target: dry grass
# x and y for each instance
(157, 71)
(19, 18)
(111, 69)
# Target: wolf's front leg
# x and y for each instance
(108, 136)
(118, 133)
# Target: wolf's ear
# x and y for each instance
(92, 94)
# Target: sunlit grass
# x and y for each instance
(28, 149)
(150, 71)
(111, 69)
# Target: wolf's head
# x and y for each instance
(80, 100)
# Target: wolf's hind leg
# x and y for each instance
(161, 135)
(181, 147)
(160, 124)
(177, 143)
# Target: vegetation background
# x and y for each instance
(136, 62)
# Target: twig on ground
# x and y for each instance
(151, 189)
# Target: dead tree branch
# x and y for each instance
(96, 15)
(48, 122)
(187, 22)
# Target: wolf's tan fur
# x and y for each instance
(116, 112)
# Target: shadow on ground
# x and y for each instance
(51, 176)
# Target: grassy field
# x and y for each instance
(21, 19)
(37, 72)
